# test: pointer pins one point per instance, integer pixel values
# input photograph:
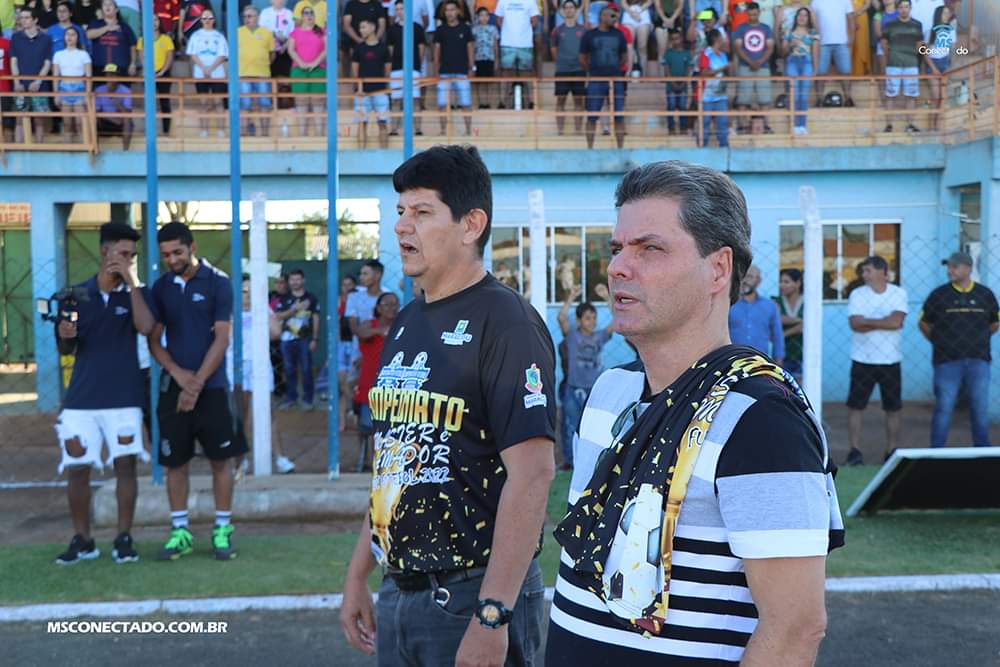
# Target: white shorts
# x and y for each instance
(396, 84)
(629, 20)
(345, 356)
(119, 428)
(910, 82)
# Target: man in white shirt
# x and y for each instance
(835, 22)
(876, 312)
(516, 20)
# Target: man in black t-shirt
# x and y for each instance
(464, 415)
(354, 13)
(298, 311)
(455, 60)
(603, 52)
(958, 319)
(395, 38)
(371, 61)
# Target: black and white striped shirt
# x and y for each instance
(759, 490)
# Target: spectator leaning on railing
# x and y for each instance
(802, 53)
(209, 53)
(74, 65)
(395, 39)
(902, 44)
(307, 47)
(31, 51)
(163, 60)
(256, 48)
(958, 319)
(455, 62)
(565, 47)
(371, 61)
(753, 44)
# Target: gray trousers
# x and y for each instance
(412, 630)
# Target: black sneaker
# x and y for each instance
(854, 458)
(124, 550)
(79, 549)
(888, 127)
(912, 129)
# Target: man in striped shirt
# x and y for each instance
(740, 577)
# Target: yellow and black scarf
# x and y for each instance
(660, 451)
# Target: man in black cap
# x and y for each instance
(105, 397)
(958, 319)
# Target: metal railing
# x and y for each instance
(958, 106)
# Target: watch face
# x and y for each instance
(490, 614)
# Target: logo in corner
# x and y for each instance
(533, 383)
(458, 336)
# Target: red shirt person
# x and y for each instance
(371, 338)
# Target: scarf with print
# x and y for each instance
(652, 463)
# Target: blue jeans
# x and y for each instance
(721, 122)
(676, 101)
(415, 630)
(948, 379)
(572, 408)
(250, 87)
(839, 54)
(799, 66)
(296, 356)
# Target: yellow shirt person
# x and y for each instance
(255, 51)
(161, 47)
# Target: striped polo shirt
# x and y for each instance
(760, 489)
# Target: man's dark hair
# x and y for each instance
(711, 208)
(459, 177)
(382, 297)
(65, 3)
(369, 21)
(116, 231)
(584, 308)
(175, 231)
(713, 36)
(795, 275)
(900, 2)
(751, 5)
(450, 2)
(375, 265)
(484, 9)
(297, 272)
(351, 277)
(877, 262)
(567, 2)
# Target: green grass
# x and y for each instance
(885, 544)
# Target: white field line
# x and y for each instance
(48, 612)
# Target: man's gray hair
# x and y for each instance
(712, 208)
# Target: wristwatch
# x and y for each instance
(492, 614)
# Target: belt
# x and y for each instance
(422, 581)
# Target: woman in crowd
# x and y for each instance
(345, 350)
(163, 60)
(371, 337)
(635, 16)
(801, 48)
(74, 65)
(307, 47)
(790, 304)
(861, 47)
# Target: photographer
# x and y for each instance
(98, 323)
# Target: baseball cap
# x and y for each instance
(613, 6)
(957, 258)
(705, 14)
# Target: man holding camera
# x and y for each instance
(104, 401)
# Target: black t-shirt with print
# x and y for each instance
(371, 59)
(460, 380)
(960, 322)
(358, 11)
(395, 39)
(299, 325)
(454, 41)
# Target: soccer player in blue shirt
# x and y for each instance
(104, 401)
(193, 304)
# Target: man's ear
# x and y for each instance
(475, 222)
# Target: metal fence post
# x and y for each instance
(332, 268)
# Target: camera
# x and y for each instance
(63, 305)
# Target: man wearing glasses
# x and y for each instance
(209, 53)
(702, 503)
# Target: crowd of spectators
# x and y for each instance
(458, 40)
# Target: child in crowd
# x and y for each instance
(487, 55)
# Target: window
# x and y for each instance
(845, 245)
(577, 255)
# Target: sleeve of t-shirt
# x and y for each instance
(854, 304)
(508, 359)
(500, 11)
(899, 300)
(703, 63)
(314, 304)
(929, 313)
(223, 47)
(192, 45)
(994, 309)
(771, 478)
(129, 35)
(585, 43)
(622, 43)
(350, 308)
(534, 9)
(223, 301)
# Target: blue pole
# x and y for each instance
(407, 79)
(152, 204)
(236, 244)
(332, 265)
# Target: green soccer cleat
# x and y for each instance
(181, 543)
(222, 544)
